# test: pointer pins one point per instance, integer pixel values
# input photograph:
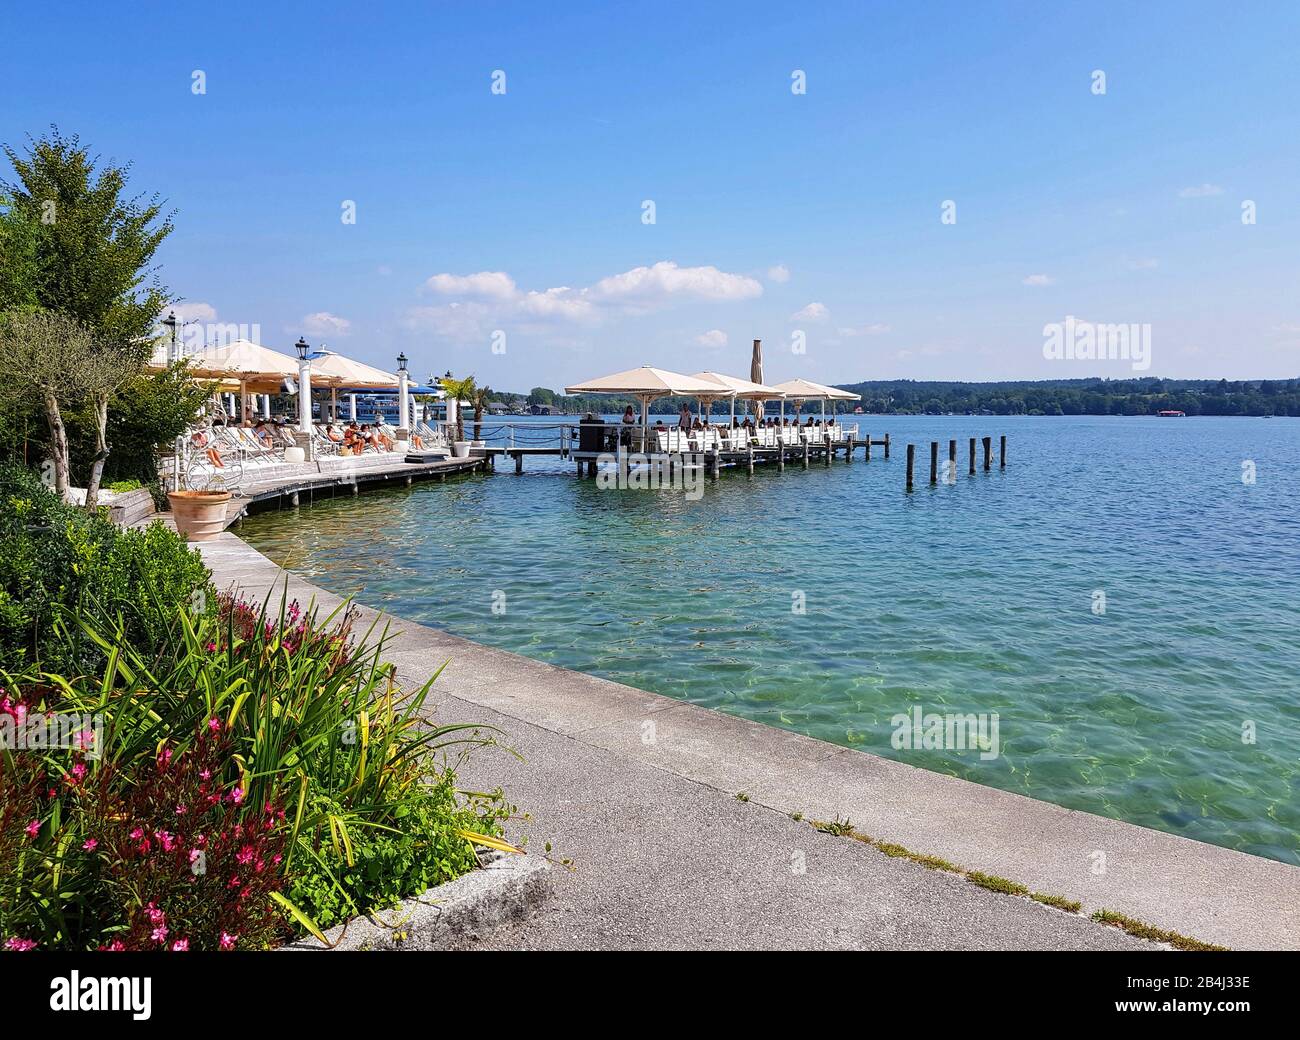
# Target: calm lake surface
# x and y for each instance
(1177, 708)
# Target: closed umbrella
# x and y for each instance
(756, 367)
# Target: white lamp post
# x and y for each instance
(304, 386)
(403, 403)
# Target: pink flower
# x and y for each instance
(18, 945)
(211, 647)
(245, 855)
(237, 795)
(228, 941)
(159, 934)
(116, 946)
(89, 845)
(155, 915)
(180, 810)
(137, 834)
(164, 758)
(214, 724)
(33, 828)
(181, 946)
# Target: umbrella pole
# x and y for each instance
(334, 404)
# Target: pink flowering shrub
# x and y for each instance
(174, 840)
(191, 862)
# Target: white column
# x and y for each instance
(304, 396)
(266, 406)
(403, 401)
(352, 405)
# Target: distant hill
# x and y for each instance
(1145, 396)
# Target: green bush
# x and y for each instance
(282, 717)
(58, 563)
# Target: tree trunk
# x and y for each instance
(59, 443)
(101, 451)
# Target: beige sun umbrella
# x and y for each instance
(737, 389)
(334, 370)
(646, 384)
(252, 365)
(807, 390)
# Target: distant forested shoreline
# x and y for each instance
(1145, 396)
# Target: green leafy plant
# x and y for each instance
(55, 558)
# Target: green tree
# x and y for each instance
(93, 256)
(458, 390)
(52, 358)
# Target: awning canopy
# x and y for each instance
(335, 370)
(257, 367)
(734, 386)
(645, 382)
(807, 390)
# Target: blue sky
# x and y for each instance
(775, 212)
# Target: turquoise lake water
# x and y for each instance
(1178, 708)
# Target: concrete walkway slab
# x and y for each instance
(640, 791)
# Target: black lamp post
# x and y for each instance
(302, 348)
(401, 362)
(170, 323)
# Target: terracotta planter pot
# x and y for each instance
(199, 515)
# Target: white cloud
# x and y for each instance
(494, 296)
(192, 311)
(455, 321)
(876, 328)
(713, 339)
(813, 312)
(1200, 192)
(1145, 264)
(1038, 279)
(562, 302)
(779, 273)
(492, 284)
(323, 323)
(665, 280)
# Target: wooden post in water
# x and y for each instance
(749, 449)
(519, 462)
(988, 453)
(952, 460)
(805, 454)
(868, 443)
(1002, 452)
(911, 463)
(972, 456)
(934, 462)
(829, 450)
(886, 445)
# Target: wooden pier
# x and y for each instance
(567, 445)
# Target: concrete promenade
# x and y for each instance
(639, 791)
